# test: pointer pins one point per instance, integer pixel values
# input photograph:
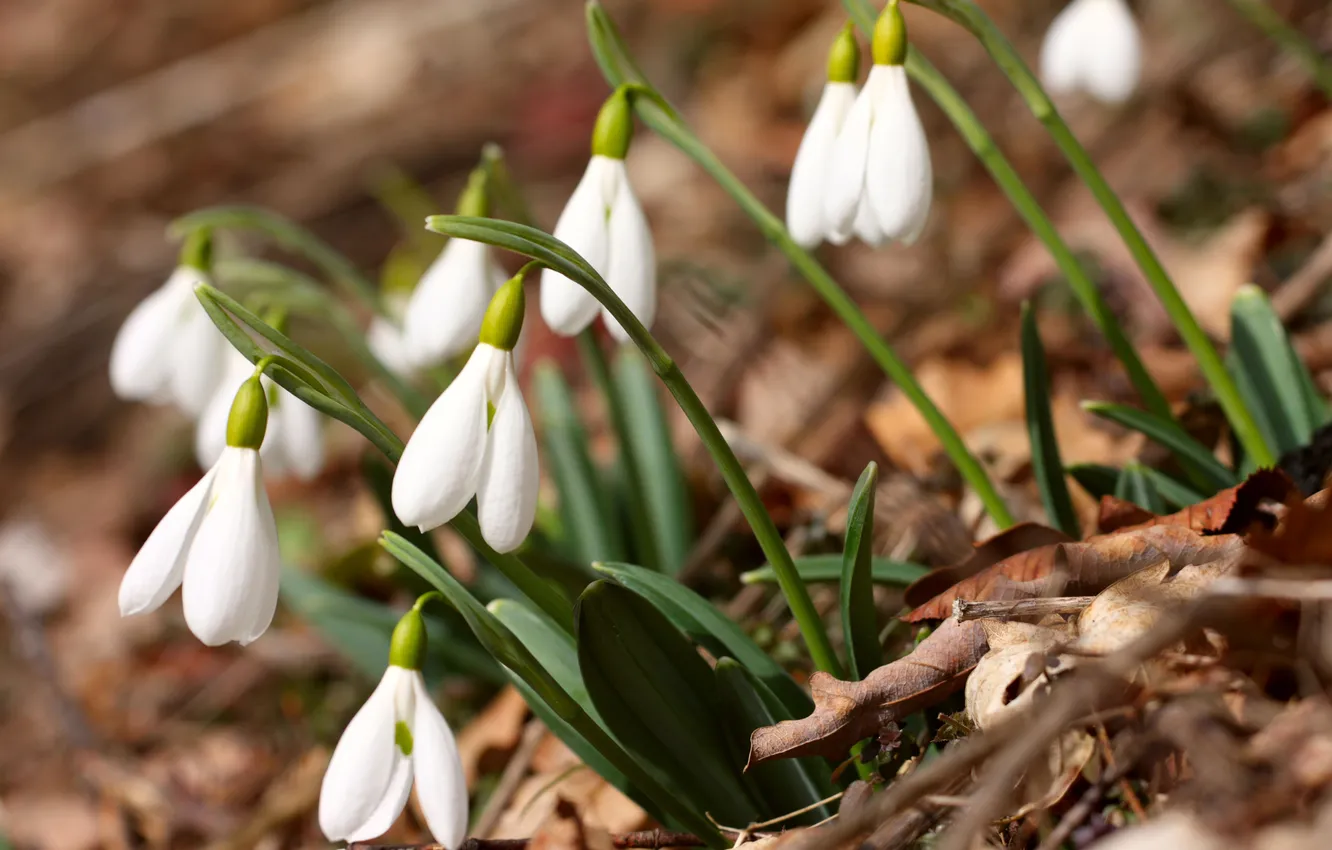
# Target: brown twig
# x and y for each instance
(509, 780)
(1010, 608)
(1304, 286)
(1086, 804)
(648, 839)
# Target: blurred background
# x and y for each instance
(118, 115)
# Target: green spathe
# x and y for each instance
(197, 252)
(248, 420)
(889, 46)
(473, 200)
(408, 645)
(844, 57)
(615, 126)
(503, 321)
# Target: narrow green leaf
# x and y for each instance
(1100, 480)
(648, 434)
(860, 621)
(784, 785)
(828, 568)
(1046, 464)
(700, 619)
(1188, 450)
(590, 525)
(658, 697)
(1134, 486)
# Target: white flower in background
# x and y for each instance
(294, 441)
(219, 541)
(805, 217)
(604, 223)
(168, 350)
(459, 450)
(444, 314)
(397, 736)
(1093, 46)
(387, 342)
(881, 181)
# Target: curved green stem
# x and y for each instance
(1289, 39)
(556, 255)
(657, 114)
(974, 19)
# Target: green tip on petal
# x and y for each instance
(197, 252)
(615, 126)
(889, 46)
(402, 736)
(844, 57)
(503, 321)
(473, 200)
(408, 645)
(249, 416)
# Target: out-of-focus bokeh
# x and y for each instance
(118, 115)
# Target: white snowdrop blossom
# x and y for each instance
(459, 450)
(219, 541)
(1093, 46)
(444, 313)
(386, 341)
(398, 736)
(805, 217)
(168, 351)
(604, 223)
(294, 441)
(881, 180)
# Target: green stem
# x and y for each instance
(1288, 39)
(556, 255)
(645, 542)
(657, 114)
(970, 16)
(504, 190)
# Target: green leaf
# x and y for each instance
(1272, 379)
(590, 525)
(658, 697)
(1046, 465)
(1188, 450)
(1096, 478)
(648, 435)
(784, 785)
(700, 619)
(1100, 480)
(860, 621)
(828, 568)
(1134, 486)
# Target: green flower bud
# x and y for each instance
(408, 646)
(504, 317)
(889, 46)
(249, 416)
(844, 57)
(615, 126)
(197, 252)
(473, 199)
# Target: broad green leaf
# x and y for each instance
(1167, 433)
(828, 568)
(656, 694)
(1134, 486)
(712, 629)
(860, 621)
(1046, 465)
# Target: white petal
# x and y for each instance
(392, 803)
(846, 173)
(441, 787)
(230, 586)
(156, 570)
(809, 174)
(866, 226)
(1062, 50)
(363, 765)
(301, 432)
(506, 497)
(210, 432)
(632, 274)
(441, 464)
(1093, 45)
(141, 355)
(444, 314)
(198, 358)
(387, 343)
(584, 227)
(900, 180)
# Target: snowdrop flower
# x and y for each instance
(294, 441)
(168, 350)
(387, 342)
(880, 182)
(1093, 46)
(444, 313)
(604, 223)
(397, 735)
(219, 541)
(805, 217)
(459, 450)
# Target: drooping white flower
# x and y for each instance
(397, 736)
(1093, 46)
(459, 450)
(219, 542)
(805, 218)
(294, 441)
(386, 341)
(168, 350)
(604, 223)
(881, 180)
(444, 313)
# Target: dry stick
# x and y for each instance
(1273, 588)
(1304, 286)
(1086, 804)
(1006, 609)
(648, 839)
(513, 774)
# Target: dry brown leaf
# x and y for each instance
(1002, 684)
(492, 734)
